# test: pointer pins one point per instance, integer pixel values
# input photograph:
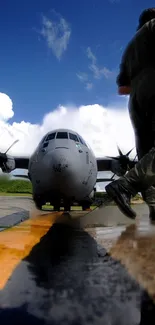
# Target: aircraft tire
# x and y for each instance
(86, 205)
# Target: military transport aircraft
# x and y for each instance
(63, 168)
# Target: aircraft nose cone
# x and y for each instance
(62, 161)
(60, 166)
(63, 171)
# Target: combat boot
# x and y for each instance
(121, 195)
(138, 179)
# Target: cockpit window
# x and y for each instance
(62, 135)
(82, 141)
(51, 136)
(45, 145)
(42, 141)
(73, 137)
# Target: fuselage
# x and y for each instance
(64, 166)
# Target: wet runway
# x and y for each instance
(57, 273)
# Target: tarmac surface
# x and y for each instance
(59, 269)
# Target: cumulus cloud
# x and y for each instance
(102, 127)
(6, 107)
(57, 33)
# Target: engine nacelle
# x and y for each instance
(9, 165)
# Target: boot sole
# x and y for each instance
(115, 196)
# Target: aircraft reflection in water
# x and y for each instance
(63, 169)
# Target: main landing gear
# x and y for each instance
(85, 205)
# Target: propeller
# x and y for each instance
(4, 160)
(124, 160)
(11, 146)
(121, 155)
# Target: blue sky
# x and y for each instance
(80, 69)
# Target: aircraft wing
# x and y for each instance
(21, 162)
(101, 180)
(104, 164)
(118, 165)
(21, 176)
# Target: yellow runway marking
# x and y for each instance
(17, 242)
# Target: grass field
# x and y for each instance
(15, 194)
(22, 188)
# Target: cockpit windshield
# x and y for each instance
(62, 135)
(73, 137)
(51, 136)
(82, 141)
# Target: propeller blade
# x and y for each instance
(118, 158)
(120, 152)
(113, 157)
(121, 155)
(135, 157)
(11, 146)
(125, 162)
(129, 152)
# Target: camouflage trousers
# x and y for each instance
(142, 115)
(142, 176)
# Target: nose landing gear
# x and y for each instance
(67, 207)
(56, 205)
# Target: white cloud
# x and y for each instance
(89, 85)
(83, 77)
(102, 127)
(107, 73)
(97, 72)
(56, 34)
(6, 107)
